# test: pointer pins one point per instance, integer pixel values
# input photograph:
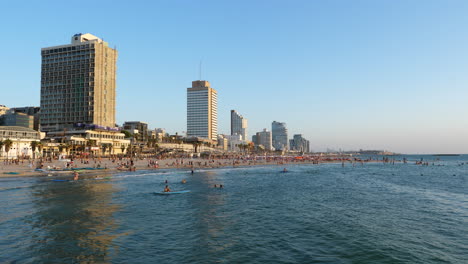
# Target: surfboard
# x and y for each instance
(174, 192)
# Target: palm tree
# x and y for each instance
(156, 147)
(7, 143)
(67, 148)
(61, 147)
(90, 143)
(33, 148)
(40, 146)
(1, 148)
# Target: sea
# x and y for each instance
(326, 213)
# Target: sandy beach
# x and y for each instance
(26, 168)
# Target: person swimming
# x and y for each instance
(167, 189)
(75, 178)
(184, 181)
(285, 170)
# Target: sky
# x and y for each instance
(361, 74)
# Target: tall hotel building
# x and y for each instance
(238, 125)
(78, 84)
(202, 111)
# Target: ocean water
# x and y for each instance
(375, 213)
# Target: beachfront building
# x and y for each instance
(3, 109)
(238, 125)
(158, 134)
(234, 141)
(264, 139)
(279, 135)
(33, 111)
(12, 118)
(223, 142)
(202, 111)
(88, 141)
(137, 128)
(21, 138)
(298, 143)
(78, 84)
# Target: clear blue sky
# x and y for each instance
(346, 74)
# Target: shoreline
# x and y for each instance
(25, 169)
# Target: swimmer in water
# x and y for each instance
(75, 178)
(166, 189)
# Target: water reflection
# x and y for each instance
(211, 219)
(74, 221)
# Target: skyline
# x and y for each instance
(386, 75)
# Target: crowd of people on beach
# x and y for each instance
(185, 160)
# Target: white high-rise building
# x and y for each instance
(238, 125)
(202, 111)
(279, 135)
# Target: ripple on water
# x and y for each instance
(314, 214)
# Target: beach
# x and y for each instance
(26, 168)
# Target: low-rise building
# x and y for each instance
(96, 142)
(12, 118)
(33, 111)
(223, 142)
(137, 127)
(21, 138)
(3, 109)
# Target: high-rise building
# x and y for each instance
(202, 111)
(238, 125)
(279, 135)
(298, 143)
(264, 138)
(78, 84)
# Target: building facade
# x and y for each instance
(33, 111)
(298, 143)
(3, 109)
(21, 138)
(202, 111)
(238, 125)
(78, 84)
(264, 138)
(137, 127)
(279, 135)
(96, 141)
(12, 118)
